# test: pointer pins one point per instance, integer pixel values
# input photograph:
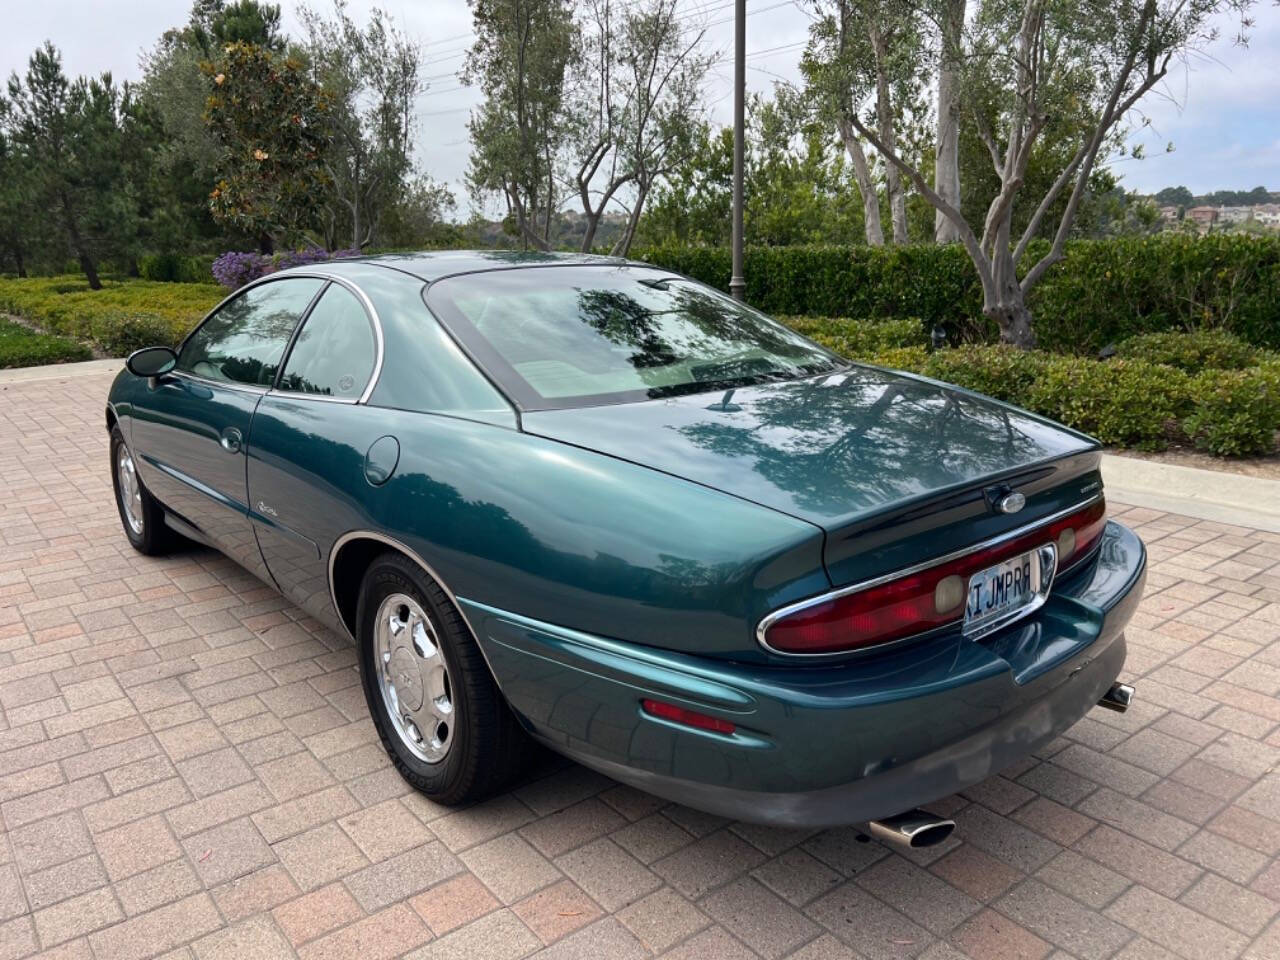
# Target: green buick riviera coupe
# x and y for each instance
(595, 504)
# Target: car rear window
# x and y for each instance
(579, 336)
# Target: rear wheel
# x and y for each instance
(433, 701)
(140, 513)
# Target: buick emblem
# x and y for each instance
(1011, 503)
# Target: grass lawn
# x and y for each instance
(20, 347)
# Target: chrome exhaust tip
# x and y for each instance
(912, 830)
(1117, 698)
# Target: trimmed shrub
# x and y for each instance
(1192, 351)
(1236, 412)
(851, 338)
(1005, 373)
(925, 280)
(1121, 402)
(120, 332)
(1105, 291)
(175, 268)
(65, 306)
(20, 347)
(910, 359)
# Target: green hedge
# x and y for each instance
(121, 316)
(20, 347)
(1105, 291)
(1137, 399)
(176, 268)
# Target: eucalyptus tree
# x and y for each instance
(520, 60)
(372, 75)
(1026, 66)
(864, 52)
(949, 15)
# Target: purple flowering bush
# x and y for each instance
(234, 269)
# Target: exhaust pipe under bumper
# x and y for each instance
(1117, 698)
(913, 829)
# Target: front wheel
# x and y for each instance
(433, 701)
(140, 513)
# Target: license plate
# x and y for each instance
(999, 592)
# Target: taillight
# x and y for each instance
(923, 599)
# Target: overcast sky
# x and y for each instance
(1221, 111)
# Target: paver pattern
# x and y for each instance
(186, 765)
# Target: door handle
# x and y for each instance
(231, 440)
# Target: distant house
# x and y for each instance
(1169, 213)
(1203, 216)
(1233, 214)
(1267, 214)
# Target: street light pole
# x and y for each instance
(737, 285)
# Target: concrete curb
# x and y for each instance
(1207, 494)
(58, 371)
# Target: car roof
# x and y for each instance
(431, 265)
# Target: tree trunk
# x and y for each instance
(623, 246)
(885, 118)
(1014, 320)
(589, 235)
(866, 185)
(947, 158)
(19, 261)
(78, 247)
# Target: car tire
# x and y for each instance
(434, 703)
(141, 514)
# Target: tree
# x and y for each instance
(797, 183)
(520, 58)
(216, 24)
(271, 123)
(860, 51)
(174, 91)
(75, 134)
(1175, 196)
(634, 107)
(946, 170)
(417, 217)
(1033, 63)
(371, 77)
(20, 220)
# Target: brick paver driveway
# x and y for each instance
(186, 764)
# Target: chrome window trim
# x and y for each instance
(370, 312)
(835, 594)
(228, 384)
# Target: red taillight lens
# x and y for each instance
(923, 600)
(690, 718)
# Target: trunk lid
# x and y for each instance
(895, 469)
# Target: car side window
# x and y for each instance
(244, 341)
(334, 353)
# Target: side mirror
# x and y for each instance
(151, 361)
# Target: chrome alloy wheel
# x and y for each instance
(130, 489)
(413, 677)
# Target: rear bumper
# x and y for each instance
(831, 744)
